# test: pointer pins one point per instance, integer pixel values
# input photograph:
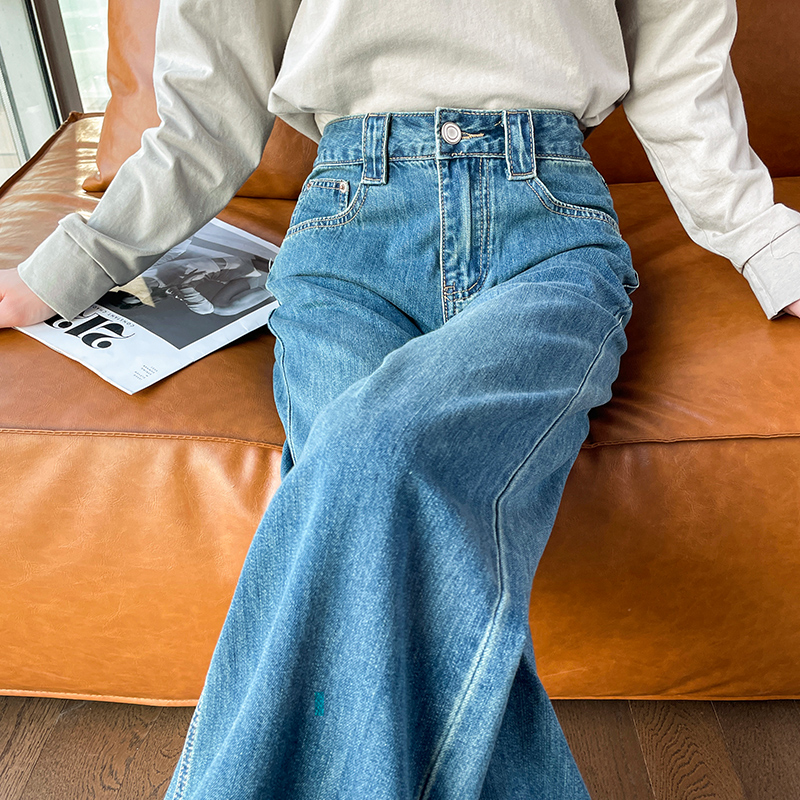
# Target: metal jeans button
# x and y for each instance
(451, 133)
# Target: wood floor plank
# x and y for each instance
(89, 751)
(685, 751)
(151, 769)
(763, 740)
(638, 750)
(603, 739)
(25, 726)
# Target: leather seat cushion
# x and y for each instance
(671, 570)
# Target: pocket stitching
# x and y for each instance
(327, 183)
(569, 209)
(334, 220)
(336, 184)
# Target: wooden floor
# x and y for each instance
(638, 750)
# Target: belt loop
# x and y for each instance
(374, 138)
(520, 145)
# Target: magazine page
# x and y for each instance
(206, 292)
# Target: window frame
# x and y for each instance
(27, 94)
(56, 56)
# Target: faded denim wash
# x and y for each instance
(450, 311)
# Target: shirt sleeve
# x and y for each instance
(686, 108)
(214, 67)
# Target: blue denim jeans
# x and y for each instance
(453, 295)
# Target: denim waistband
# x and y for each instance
(518, 135)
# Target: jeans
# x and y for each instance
(453, 295)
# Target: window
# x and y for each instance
(52, 61)
(28, 114)
(86, 26)
(9, 146)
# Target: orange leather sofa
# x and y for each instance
(673, 570)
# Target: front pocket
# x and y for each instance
(328, 201)
(573, 189)
(322, 197)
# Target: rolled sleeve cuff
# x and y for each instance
(62, 274)
(774, 273)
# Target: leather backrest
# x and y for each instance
(287, 158)
(766, 63)
(764, 58)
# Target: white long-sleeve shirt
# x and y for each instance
(224, 71)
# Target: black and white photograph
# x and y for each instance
(192, 292)
(202, 294)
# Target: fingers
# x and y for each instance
(793, 308)
(19, 305)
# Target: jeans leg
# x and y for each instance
(530, 747)
(329, 332)
(375, 642)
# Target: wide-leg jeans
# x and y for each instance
(453, 294)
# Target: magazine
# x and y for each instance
(206, 292)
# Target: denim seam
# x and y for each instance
(431, 156)
(461, 294)
(441, 242)
(342, 188)
(436, 760)
(327, 183)
(335, 220)
(561, 157)
(186, 759)
(568, 209)
(288, 426)
(364, 148)
(473, 112)
(531, 153)
(485, 225)
(133, 435)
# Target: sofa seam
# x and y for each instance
(720, 438)
(133, 435)
(189, 703)
(277, 447)
(162, 702)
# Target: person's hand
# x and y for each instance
(793, 308)
(19, 306)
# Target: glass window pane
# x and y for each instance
(86, 26)
(10, 159)
(26, 108)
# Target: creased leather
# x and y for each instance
(672, 570)
(770, 88)
(287, 158)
